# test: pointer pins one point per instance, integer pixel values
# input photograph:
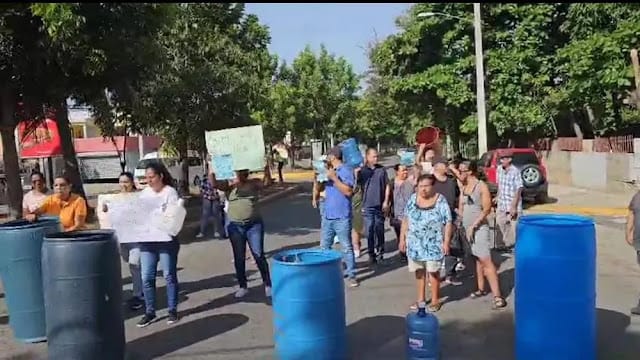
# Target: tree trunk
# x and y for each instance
(184, 166)
(71, 167)
(10, 154)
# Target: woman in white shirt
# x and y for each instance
(159, 246)
(32, 200)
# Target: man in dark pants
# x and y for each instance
(374, 183)
(212, 207)
(447, 186)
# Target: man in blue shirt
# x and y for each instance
(337, 210)
(374, 182)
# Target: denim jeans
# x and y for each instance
(167, 254)
(374, 223)
(342, 229)
(252, 233)
(212, 209)
(134, 269)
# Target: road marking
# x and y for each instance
(580, 210)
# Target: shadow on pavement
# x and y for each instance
(614, 341)
(256, 295)
(293, 216)
(215, 282)
(370, 338)
(182, 335)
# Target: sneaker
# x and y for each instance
(199, 236)
(336, 240)
(635, 310)
(267, 291)
(356, 253)
(460, 266)
(353, 282)
(240, 293)
(173, 317)
(146, 320)
(135, 303)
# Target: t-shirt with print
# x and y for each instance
(425, 235)
(634, 206)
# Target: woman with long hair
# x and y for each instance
(130, 252)
(70, 208)
(475, 206)
(245, 227)
(159, 246)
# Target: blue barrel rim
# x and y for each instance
(23, 224)
(81, 235)
(330, 256)
(556, 220)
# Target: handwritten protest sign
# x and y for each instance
(245, 146)
(223, 166)
(130, 216)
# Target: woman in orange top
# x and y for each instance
(69, 207)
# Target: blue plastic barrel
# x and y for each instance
(83, 295)
(20, 269)
(351, 154)
(555, 288)
(308, 304)
(423, 335)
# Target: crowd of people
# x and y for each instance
(429, 204)
(435, 208)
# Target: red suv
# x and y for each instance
(533, 172)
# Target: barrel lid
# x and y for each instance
(305, 257)
(81, 235)
(556, 220)
(22, 224)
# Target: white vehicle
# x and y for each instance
(196, 167)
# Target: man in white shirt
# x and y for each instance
(32, 200)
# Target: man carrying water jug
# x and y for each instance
(633, 234)
(337, 210)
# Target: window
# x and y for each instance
(485, 159)
(77, 131)
(525, 158)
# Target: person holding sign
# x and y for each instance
(69, 207)
(159, 246)
(245, 227)
(130, 252)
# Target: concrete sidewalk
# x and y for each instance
(565, 199)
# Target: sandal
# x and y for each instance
(499, 303)
(434, 307)
(478, 294)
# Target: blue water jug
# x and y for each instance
(423, 337)
(351, 154)
(320, 168)
(408, 158)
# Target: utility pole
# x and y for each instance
(480, 97)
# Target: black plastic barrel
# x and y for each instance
(20, 244)
(83, 295)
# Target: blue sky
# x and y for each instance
(345, 29)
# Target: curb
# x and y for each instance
(589, 211)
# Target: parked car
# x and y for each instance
(532, 170)
(403, 150)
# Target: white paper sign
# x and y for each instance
(244, 144)
(130, 216)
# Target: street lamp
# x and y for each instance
(480, 97)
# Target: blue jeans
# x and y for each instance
(342, 229)
(212, 209)
(374, 223)
(136, 275)
(252, 233)
(167, 254)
